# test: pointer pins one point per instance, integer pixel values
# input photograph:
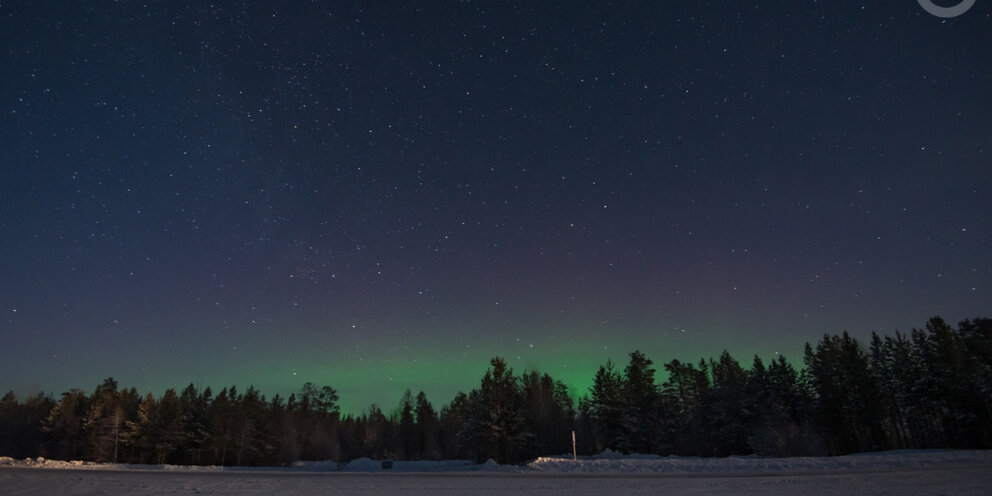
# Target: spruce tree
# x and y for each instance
(728, 415)
(847, 399)
(497, 409)
(105, 423)
(606, 408)
(682, 396)
(640, 402)
(64, 426)
(426, 429)
(406, 447)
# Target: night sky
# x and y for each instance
(385, 195)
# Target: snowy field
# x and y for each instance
(890, 473)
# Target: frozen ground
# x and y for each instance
(891, 473)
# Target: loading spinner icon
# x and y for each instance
(946, 12)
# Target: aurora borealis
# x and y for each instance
(384, 195)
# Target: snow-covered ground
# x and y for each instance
(888, 473)
(609, 462)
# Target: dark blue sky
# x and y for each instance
(385, 195)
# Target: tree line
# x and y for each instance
(930, 388)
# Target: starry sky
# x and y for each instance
(384, 195)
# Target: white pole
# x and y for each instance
(575, 455)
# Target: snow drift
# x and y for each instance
(607, 462)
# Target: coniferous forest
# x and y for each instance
(931, 388)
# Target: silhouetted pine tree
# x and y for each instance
(105, 423)
(64, 426)
(977, 337)
(606, 409)
(498, 413)
(317, 414)
(157, 431)
(426, 430)
(682, 395)
(896, 372)
(21, 434)
(948, 385)
(585, 428)
(406, 444)
(374, 427)
(248, 420)
(727, 414)
(279, 436)
(846, 396)
(640, 405)
(194, 413)
(459, 430)
(782, 426)
(221, 437)
(548, 413)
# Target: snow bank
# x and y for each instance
(607, 462)
(369, 465)
(358, 465)
(56, 464)
(314, 466)
(610, 462)
(82, 465)
(427, 466)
